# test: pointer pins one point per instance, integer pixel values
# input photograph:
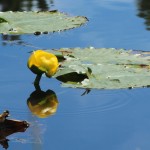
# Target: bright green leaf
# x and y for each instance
(37, 22)
(104, 68)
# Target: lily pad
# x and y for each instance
(103, 68)
(38, 22)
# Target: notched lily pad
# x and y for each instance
(38, 22)
(103, 68)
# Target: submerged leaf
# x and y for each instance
(37, 22)
(104, 68)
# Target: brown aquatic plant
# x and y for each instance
(10, 126)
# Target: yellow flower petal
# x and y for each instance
(43, 62)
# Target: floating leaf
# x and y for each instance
(103, 68)
(37, 22)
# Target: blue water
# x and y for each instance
(103, 119)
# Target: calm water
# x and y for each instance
(103, 119)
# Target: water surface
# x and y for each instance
(103, 119)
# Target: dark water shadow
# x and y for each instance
(25, 5)
(144, 11)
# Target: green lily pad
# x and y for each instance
(103, 68)
(38, 22)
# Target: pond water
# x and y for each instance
(102, 119)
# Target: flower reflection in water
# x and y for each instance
(42, 104)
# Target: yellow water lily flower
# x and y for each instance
(41, 62)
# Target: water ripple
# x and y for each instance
(98, 101)
(74, 104)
